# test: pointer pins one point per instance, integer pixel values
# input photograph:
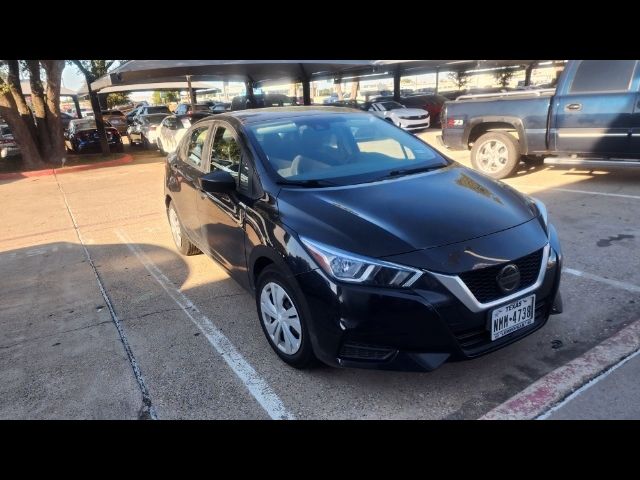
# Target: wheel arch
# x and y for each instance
(478, 126)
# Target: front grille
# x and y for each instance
(362, 351)
(480, 336)
(483, 283)
(416, 117)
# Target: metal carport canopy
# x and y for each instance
(140, 72)
(255, 71)
(156, 85)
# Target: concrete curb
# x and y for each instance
(543, 394)
(76, 168)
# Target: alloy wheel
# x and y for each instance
(492, 156)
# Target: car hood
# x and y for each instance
(420, 211)
(409, 112)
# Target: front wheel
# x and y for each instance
(496, 154)
(283, 318)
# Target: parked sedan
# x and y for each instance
(117, 119)
(144, 129)
(8, 145)
(82, 136)
(173, 127)
(399, 115)
(363, 246)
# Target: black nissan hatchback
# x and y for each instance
(363, 246)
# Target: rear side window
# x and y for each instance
(196, 146)
(603, 76)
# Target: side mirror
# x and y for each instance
(218, 182)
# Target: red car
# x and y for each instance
(431, 103)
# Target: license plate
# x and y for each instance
(513, 316)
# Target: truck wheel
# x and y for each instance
(496, 154)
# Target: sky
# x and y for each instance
(71, 78)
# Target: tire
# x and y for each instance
(298, 339)
(496, 154)
(183, 244)
(159, 143)
(144, 142)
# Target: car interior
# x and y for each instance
(325, 149)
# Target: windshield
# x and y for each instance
(341, 149)
(390, 105)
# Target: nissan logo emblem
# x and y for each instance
(509, 278)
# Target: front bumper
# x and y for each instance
(412, 125)
(9, 151)
(413, 329)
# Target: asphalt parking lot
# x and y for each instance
(187, 342)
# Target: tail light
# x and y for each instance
(152, 127)
(4, 141)
(113, 131)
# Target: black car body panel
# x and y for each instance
(447, 221)
(339, 217)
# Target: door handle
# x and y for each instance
(573, 106)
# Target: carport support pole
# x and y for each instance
(437, 79)
(396, 85)
(527, 74)
(306, 91)
(192, 97)
(77, 105)
(250, 95)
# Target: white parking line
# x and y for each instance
(545, 393)
(570, 190)
(587, 386)
(614, 283)
(256, 385)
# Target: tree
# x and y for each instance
(504, 76)
(160, 98)
(37, 129)
(92, 70)
(172, 96)
(116, 99)
(461, 79)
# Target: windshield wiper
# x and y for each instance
(409, 171)
(306, 183)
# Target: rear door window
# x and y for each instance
(603, 76)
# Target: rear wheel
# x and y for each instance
(496, 154)
(145, 142)
(183, 244)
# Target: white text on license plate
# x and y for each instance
(513, 316)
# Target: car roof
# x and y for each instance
(258, 115)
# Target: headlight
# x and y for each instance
(542, 212)
(553, 258)
(349, 267)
